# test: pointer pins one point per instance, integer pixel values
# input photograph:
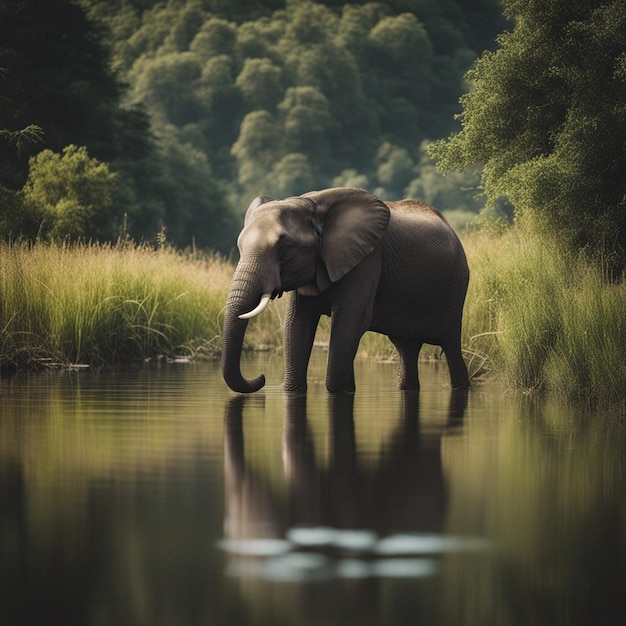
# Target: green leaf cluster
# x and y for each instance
(547, 118)
(71, 194)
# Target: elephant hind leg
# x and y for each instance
(459, 377)
(408, 351)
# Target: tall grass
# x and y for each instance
(535, 317)
(544, 319)
(101, 304)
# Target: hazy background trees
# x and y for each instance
(197, 106)
(307, 94)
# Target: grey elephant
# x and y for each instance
(395, 268)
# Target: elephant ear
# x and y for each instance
(254, 205)
(353, 222)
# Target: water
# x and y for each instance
(155, 496)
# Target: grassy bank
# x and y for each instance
(97, 304)
(534, 317)
(542, 319)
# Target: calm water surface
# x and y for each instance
(156, 496)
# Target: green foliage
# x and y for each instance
(547, 118)
(195, 211)
(56, 76)
(460, 190)
(260, 84)
(32, 134)
(166, 84)
(544, 319)
(59, 92)
(264, 96)
(71, 195)
(289, 86)
(255, 147)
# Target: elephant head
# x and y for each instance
(306, 243)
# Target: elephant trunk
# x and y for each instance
(242, 298)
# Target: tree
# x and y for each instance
(71, 195)
(57, 76)
(306, 120)
(395, 167)
(291, 176)
(290, 84)
(58, 80)
(217, 36)
(196, 212)
(166, 84)
(186, 26)
(257, 147)
(547, 118)
(260, 84)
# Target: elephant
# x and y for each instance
(396, 268)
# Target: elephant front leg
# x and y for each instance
(352, 307)
(344, 343)
(348, 324)
(301, 319)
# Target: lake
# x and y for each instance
(156, 496)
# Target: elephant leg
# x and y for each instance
(301, 319)
(344, 343)
(352, 307)
(458, 370)
(408, 352)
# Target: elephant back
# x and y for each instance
(412, 205)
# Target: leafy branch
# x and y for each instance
(32, 134)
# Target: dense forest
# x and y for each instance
(134, 117)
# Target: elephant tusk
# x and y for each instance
(265, 298)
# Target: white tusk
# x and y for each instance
(265, 298)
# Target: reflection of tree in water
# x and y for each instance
(348, 507)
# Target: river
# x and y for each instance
(155, 496)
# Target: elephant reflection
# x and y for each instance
(403, 491)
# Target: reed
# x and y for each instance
(544, 319)
(535, 317)
(102, 304)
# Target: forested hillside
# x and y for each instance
(187, 109)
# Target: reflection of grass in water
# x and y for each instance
(105, 304)
(546, 485)
(65, 430)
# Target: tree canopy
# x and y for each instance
(64, 126)
(284, 94)
(195, 106)
(547, 119)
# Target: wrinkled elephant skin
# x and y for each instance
(396, 268)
